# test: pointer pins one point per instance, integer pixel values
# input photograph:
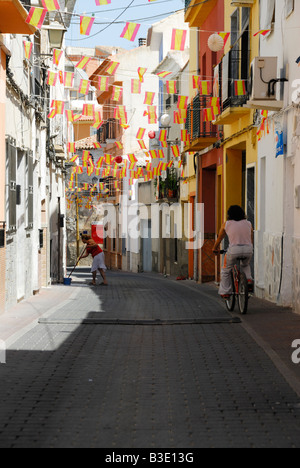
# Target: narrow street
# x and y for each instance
(195, 379)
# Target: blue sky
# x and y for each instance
(141, 11)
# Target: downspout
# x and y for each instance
(196, 256)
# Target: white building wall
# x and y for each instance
(277, 237)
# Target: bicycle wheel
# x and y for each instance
(243, 294)
(230, 303)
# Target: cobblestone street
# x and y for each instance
(194, 379)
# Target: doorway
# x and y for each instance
(146, 245)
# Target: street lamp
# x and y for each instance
(56, 32)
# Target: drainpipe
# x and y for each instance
(196, 256)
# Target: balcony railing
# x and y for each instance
(168, 188)
(108, 131)
(202, 133)
(233, 69)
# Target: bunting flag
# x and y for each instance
(52, 114)
(57, 54)
(136, 86)
(175, 151)
(164, 74)
(117, 93)
(61, 77)
(58, 106)
(140, 134)
(141, 73)
(112, 67)
(149, 98)
(88, 110)
(52, 78)
(182, 102)
(103, 2)
(74, 158)
(208, 115)
(84, 87)
(83, 63)
(152, 116)
(163, 135)
(171, 87)
(36, 17)
(262, 32)
(103, 83)
(240, 87)
(86, 24)
(69, 115)
(119, 145)
(130, 31)
(225, 36)
(51, 5)
(142, 144)
(215, 105)
(68, 79)
(178, 39)
(184, 136)
(71, 147)
(27, 49)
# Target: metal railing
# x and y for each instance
(233, 68)
(196, 125)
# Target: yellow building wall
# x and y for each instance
(240, 135)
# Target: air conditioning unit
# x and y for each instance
(263, 79)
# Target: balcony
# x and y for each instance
(203, 134)
(169, 188)
(108, 132)
(196, 13)
(232, 70)
(13, 17)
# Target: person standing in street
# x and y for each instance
(98, 259)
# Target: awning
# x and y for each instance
(12, 18)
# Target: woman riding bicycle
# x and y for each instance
(241, 237)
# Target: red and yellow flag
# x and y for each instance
(178, 39)
(130, 31)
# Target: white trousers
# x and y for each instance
(234, 252)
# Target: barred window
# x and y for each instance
(30, 191)
(11, 171)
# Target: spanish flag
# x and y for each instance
(240, 88)
(171, 87)
(51, 5)
(36, 17)
(141, 73)
(178, 39)
(130, 31)
(86, 24)
(136, 86)
(27, 49)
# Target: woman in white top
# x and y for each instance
(240, 233)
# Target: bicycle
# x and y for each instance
(240, 288)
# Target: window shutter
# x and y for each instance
(11, 155)
(30, 191)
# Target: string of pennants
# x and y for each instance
(37, 15)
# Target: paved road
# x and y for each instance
(119, 385)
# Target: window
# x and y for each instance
(11, 165)
(30, 191)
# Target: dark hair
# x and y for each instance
(236, 213)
